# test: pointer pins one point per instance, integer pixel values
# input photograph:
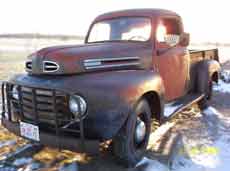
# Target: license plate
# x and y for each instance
(29, 131)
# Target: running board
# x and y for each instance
(177, 106)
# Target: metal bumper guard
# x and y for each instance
(57, 139)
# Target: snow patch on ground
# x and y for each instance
(151, 165)
(171, 108)
(211, 111)
(22, 161)
(223, 83)
(222, 87)
(214, 154)
(216, 159)
(210, 153)
(225, 76)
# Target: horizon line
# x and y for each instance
(81, 37)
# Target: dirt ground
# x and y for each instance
(18, 153)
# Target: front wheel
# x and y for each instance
(131, 142)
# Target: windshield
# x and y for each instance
(121, 29)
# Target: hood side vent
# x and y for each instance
(101, 63)
(28, 65)
(49, 66)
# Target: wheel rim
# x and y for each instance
(140, 131)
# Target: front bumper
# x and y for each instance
(61, 141)
(59, 136)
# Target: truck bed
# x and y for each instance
(198, 55)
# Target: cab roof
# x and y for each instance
(136, 12)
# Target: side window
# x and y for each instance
(168, 32)
(101, 31)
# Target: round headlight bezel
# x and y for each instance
(77, 106)
(15, 92)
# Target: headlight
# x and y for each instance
(15, 93)
(77, 106)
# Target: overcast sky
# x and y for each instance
(206, 20)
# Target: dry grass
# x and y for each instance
(10, 64)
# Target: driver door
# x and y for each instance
(172, 60)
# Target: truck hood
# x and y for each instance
(60, 60)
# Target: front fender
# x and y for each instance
(110, 96)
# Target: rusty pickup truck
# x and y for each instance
(133, 68)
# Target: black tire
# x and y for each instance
(210, 89)
(204, 102)
(125, 148)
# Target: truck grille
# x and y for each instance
(49, 66)
(38, 104)
(48, 109)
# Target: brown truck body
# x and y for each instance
(112, 76)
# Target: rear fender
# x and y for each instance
(205, 72)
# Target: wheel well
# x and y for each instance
(154, 104)
(215, 77)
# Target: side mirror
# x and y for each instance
(184, 39)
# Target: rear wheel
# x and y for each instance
(131, 142)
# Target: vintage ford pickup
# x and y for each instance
(133, 68)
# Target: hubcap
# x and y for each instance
(140, 131)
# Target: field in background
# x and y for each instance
(14, 50)
(11, 63)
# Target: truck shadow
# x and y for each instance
(221, 102)
(163, 153)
